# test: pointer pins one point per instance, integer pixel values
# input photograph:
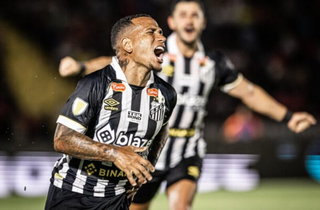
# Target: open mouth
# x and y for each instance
(189, 30)
(159, 53)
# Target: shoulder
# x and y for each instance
(100, 77)
(167, 90)
(163, 85)
(218, 57)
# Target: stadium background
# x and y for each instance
(275, 44)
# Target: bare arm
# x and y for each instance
(71, 67)
(156, 148)
(70, 142)
(158, 144)
(260, 101)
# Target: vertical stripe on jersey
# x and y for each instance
(62, 167)
(126, 102)
(179, 115)
(135, 95)
(100, 188)
(170, 79)
(192, 124)
(154, 126)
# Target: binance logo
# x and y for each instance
(90, 169)
(194, 171)
(168, 70)
(111, 103)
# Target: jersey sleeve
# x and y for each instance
(81, 106)
(172, 101)
(170, 95)
(226, 76)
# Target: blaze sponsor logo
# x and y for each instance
(110, 104)
(152, 92)
(157, 111)
(134, 116)
(108, 136)
(118, 87)
(194, 171)
(79, 106)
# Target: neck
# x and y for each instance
(135, 74)
(187, 49)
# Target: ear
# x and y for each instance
(126, 44)
(204, 24)
(171, 23)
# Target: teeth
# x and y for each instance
(160, 48)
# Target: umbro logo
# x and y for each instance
(110, 104)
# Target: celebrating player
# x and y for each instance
(113, 126)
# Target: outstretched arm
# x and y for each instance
(260, 101)
(70, 142)
(71, 67)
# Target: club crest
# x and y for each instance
(157, 111)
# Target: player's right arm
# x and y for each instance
(73, 143)
(70, 67)
(79, 116)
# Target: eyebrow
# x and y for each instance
(155, 29)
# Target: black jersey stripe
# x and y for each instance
(116, 114)
(152, 125)
(179, 115)
(195, 115)
(170, 79)
(136, 96)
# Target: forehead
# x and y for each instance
(145, 22)
(187, 7)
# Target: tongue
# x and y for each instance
(160, 57)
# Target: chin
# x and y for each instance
(189, 40)
(157, 69)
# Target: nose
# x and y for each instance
(162, 38)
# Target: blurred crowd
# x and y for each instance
(275, 44)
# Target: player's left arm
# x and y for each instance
(154, 153)
(158, 144)
(257, 99)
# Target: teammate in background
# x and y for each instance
(114, 125)
(193, 72)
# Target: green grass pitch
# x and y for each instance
(275, 194)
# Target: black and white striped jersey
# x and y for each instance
(109, 110)
(193, 79)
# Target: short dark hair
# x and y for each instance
(175, 2)
(121, 24)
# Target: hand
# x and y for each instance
(136, 167)
(69, 67)
(300, 121)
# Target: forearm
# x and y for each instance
(70, 142)
(260, 101)
(158, 145)
(95, 64)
